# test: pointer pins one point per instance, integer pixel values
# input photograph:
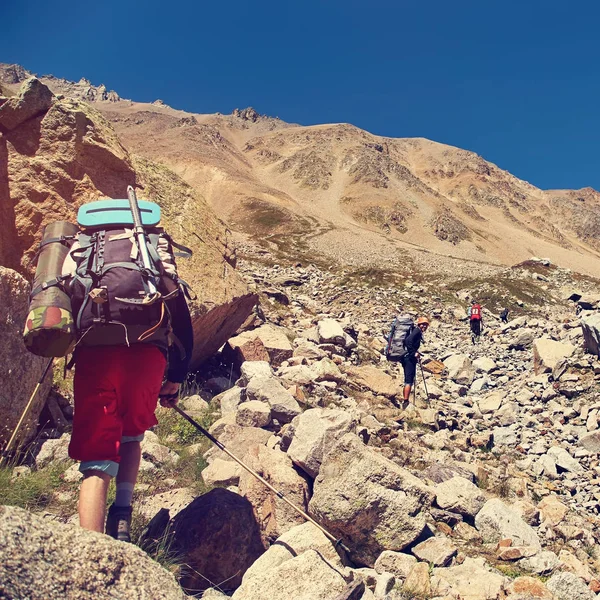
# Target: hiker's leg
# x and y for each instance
(410, 371)
(96, 433)
(92, 500)
(131, 456)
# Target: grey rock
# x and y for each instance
(496, 521)
(567, 586)
(44, 560)
(284, 406)
(368, 500)
(542, 563)
(314, 433)
(19, 370)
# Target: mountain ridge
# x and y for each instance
(332, 186)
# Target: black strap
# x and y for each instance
(56, 282)
(184, 251)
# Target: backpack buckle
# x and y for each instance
(99, 295)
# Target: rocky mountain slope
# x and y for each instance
(335, 186)
(483, 487)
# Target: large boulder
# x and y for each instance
(497, 521)
(294, 542)
(237, 440)
(305, 577)
(284, 406)
(274, 515)
(46, 560)
(218, 538)
(33, 99)
(315, 431)
(547, 353)
(590, 326)
(567, 586)
(56, 154)
(19, 370)
(369, 501)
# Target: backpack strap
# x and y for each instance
(56, 281)
(184, 251)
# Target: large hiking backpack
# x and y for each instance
(401, 328)
(109, 285)
(476, 312)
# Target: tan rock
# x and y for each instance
(529, 587)
(417, 582)
(553, 510)
(573, 565)
(120, 570)
(547, 353)
(238, 441)
(272, 339)
(273, 515)
(173, 500)
(438, 551)
(315, 432)
(375, 380)
(468, 533)
(472, 580)
(460, 495)
(397, 563)
(305, 577)
(253, 414)
(292, 543)
(244, 348)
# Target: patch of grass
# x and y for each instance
(371, 276)
(415, 424)
(590, 550)
(188, 470)
(61, 381)
(511, 571)
(32, 491)
(162, 550)
(176, 433)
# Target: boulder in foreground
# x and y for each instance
(44, 560)
(368, 501)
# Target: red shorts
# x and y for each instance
(116, 391)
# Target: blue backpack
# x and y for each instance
(401, 329)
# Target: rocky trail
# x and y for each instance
(487, 490)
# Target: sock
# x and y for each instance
(124, 494)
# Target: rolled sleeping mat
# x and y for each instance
(49, 327)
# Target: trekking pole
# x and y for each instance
(215, 441)
(140, 234)
(424, 382)
(6, 451)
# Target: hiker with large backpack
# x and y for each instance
(134, 341)
(404, 341)
(475, 320)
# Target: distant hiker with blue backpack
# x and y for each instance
(127, 307)
(404, 341)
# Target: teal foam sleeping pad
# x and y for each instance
(116, 212)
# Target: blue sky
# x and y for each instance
(517, 82)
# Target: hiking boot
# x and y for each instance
(118, 522)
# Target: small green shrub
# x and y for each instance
(32, 491)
